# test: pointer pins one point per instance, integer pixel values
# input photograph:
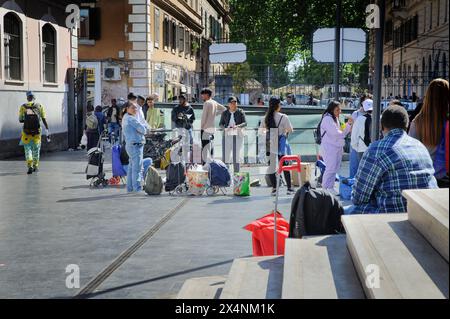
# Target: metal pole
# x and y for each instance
(379, 42)
(337, 50)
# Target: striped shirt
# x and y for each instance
(391, 165)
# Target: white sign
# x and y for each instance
(353, 45)
(227, 53)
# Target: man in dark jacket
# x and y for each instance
(233, 121)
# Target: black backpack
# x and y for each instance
(175, 176)
(368, 129)
(317, 134)
(268, 140)
(315, 212)
(32, 121)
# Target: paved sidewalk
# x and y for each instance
(52, 219)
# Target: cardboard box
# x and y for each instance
(305, 176)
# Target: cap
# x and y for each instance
(141, 97)
(232, 99)
(30, 93)
(368, 105)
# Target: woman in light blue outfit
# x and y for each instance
(134, 132)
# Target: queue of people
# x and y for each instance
(411, 155)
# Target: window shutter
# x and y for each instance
(94, 23)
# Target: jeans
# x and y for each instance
(113, 128)
(354, 163)
(134, 174)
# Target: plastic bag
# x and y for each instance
(241, 184)
(84, 140)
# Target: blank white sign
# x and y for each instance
(228, 53)
(353, 45)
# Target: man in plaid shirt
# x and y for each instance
(389, 166)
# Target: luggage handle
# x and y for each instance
(296, 166)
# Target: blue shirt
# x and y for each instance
(391, 165)
(133, 130)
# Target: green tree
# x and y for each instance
(277, 31)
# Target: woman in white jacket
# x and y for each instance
(358, 131)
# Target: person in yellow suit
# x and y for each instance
(30, 115)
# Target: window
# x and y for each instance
(439, 12)
(180, 39)
(446, 11)
(84, 24)
(388, 31)
(157, 24)
(431, 15)
(187, 45)
(166, 33)
(430, 68)
(49, 53)
(13, 47)
(90, 25)
(424, 68)
(174, 36)
(444, 66)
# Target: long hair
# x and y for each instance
(430, 121)
(330, 109)
(274, 103)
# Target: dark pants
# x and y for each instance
(287, 177)
(93, 138)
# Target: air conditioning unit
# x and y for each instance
(112, 73)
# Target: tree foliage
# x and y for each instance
(277, 31)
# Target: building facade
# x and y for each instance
(416, 46)
(145, 47)
(36, 52)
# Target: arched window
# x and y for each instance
(13, 47)
(430, 69)
(444, 66)
(49, 53)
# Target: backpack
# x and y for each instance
(317, 134)
(175, 176)
(368, 129)
(32, 121)
(153, 182)
(268, 140)
(315, 212)
(92, 122)
(219, 175)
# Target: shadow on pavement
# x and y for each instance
(134, 284)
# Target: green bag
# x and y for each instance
(241, 184)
